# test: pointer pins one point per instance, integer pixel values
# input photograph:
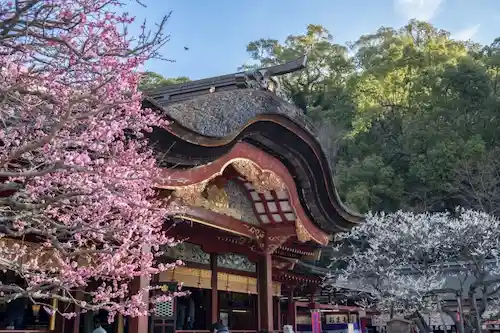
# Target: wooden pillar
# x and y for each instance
(257, 307)
(139, 324)
(292, 311)
(362, 324)
(120, 325)
(52, 320)
(88, 322)
(214, 291)
(76, 321)
(57, 322)
(265, 290)
(278, 314)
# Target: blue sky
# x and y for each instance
(217, 31)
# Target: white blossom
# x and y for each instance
(411, 262)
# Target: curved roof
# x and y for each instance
(207, 126)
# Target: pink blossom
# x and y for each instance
(76, 156)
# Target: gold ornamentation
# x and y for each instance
(278, 239)
(191, 194)
(302, 234)
(218, 209)
(217, 197)
(257, 232)
(262, 180)
(217, 200)
(274, 242)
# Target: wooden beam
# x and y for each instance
(140, 285)
(76, 320)
(280, 229)
(265, 291)
(305, 248)
(215, 289)
(57, 322)
(220, 221)
(292, 278)
(292, 312)
(212, 240)
(120, 324)
(139, 324)
(278, 314)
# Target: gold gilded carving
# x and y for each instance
(262, 180)
(217, 197)
(217, 201)
(274, 242)
(302, 234)
(191, 194)
(278, 239)
(257, 232)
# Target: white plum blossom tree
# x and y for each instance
(411, 263)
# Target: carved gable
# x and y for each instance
(240, 203)
(229, 199)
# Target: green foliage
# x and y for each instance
(419, 112)
(152, 80)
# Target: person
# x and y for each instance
(219, 327)
(98, 327)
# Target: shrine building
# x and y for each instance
(260, 198)
(260, 203)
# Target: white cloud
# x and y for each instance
(422, 10)
(467, 33)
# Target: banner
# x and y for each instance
(316, 321)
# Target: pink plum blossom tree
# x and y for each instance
(406, 263)
(77, 203)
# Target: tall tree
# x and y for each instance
(410, 117)
(328, 64)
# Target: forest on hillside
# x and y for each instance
(409, 117)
